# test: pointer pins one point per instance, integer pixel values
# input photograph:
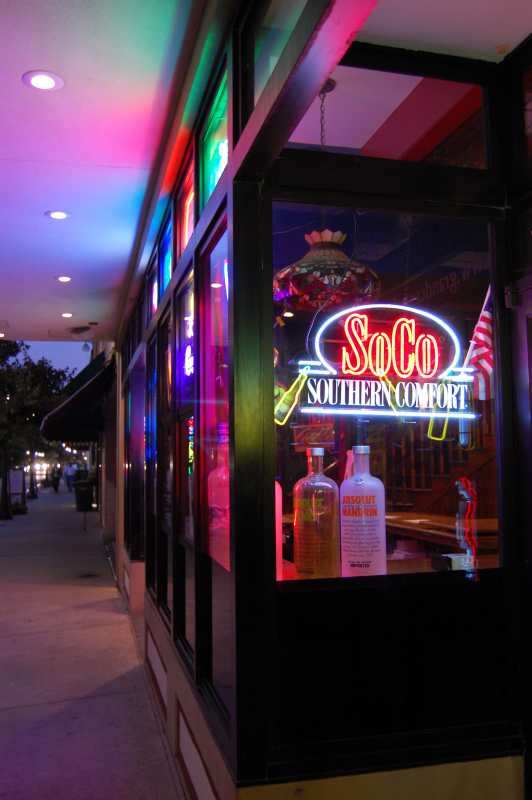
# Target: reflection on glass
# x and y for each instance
(217, 412)
(165, 257)
(185, 346)
(190, 598)
(402, 117)
(151, 290)
(189, 492)
(150, 433)
(187, 207)
(401, 367)
(215, 462)
(271, 37)
(214, 144)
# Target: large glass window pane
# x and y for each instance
(185, 474)
(151, 473)
(215, 459)
(214, 144)
(185, 348)
(185, 208)
(271, 36)
(165, 256)
(384, 393)
(152, 293)
(187, 497)
(134, 467)
(165, 469)
(403, 117)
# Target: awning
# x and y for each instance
(87, 374)
(80, 418)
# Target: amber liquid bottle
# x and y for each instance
(316, 518)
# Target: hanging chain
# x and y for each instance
(322, 119)
(408, 257)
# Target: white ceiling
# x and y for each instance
(91, 147)
(88, 148)
(485, 29)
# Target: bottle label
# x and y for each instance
(363, 534)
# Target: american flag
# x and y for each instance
(480, 353)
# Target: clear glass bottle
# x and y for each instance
(316, 534)
(363, 519)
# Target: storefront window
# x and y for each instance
(185, 474)
(215, 457)
(185, 348)
(384, 394)
(151, 471)
(165, 257)
(271, 36)
(214, 144)
(165, 469)
(402, 117)
(152, 291)
(185, 208)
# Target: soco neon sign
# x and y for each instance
(386, 359)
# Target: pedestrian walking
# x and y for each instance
(56, 477)
(69, 473)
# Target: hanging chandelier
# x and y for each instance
(309, 282)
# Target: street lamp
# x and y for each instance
(32, 491)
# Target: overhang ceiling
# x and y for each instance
(89, 148)
(92, 148)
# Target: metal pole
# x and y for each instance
(5, 510)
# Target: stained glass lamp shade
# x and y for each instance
(306, 285)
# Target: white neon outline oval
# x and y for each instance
(377, 412)
(452, 334)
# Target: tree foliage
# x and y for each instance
(28, 391)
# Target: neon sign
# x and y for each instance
(189, 361)
(386, 360)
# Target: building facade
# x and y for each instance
(324, 415)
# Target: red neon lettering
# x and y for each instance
(354, 324)
(427, 356)
(403, 354)
(380, 354)
(401, 327)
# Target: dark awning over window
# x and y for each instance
(80, 418)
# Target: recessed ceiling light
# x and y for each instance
(216, 285)
(64, 279)
(57, 214)
(2, 335)
(66, 314)
(44, 80)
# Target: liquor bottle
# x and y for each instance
(362, 520)
(316, 535)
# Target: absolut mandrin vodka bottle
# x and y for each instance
(363, 521)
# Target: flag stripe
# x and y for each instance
(481, 355)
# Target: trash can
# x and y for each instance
(83, 490)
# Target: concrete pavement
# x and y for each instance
(77, 713)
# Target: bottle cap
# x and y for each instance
(315, 451)
(361, 449)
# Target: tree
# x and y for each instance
(28, 391)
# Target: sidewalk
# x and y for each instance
(77, 713)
